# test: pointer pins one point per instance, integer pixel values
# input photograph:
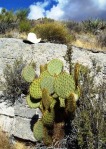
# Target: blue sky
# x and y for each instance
(17, 4)
(59, 9)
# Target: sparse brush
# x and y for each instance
(101, 39)
(24, 26)
(14, 83)
(90, 120)
(92, 25)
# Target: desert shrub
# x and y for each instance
(14, 83)
(101, 39)
(7, 21)
(73, 26)
(89, 124)
(53, 32)
(47, 20)
(91, 25)
(22, 14)
(24, 26)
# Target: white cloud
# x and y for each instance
(69, 9)
(55, 13)
(36, 12)
(101, 4)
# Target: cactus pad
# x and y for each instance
(48, 83)
(28, 73)
(38, 130)
(53, 104)
(46, 99)
(48, 118)
(55, 95)
(55, 66)
(64, 85)
(35, 90)
(62, 102)
(32, 104)
(71, 103)
(44, 74)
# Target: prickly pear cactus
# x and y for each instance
(31, 103)
(35, 90)
(55, 93)
(48, 117)
(55, 66)
(46, 99)
(48, 83)
(64, 85)
(38, 130)
(28, 73)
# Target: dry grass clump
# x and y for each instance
(6, 144)
(53, 32)
(4, 141)
(22, 145)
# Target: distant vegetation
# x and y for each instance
(49, 29)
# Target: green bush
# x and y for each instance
(90, 121)
(53, 32)
(73, 26)
(24, 26)
(93, 25)
(14, 84)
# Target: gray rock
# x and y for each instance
(6, 110)
(89, 58)
(22, 129)
(6, 123)
(24, 112)
(41, 53)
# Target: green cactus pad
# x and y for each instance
(38, 130)
(28, 73)
(32, 104)
(48, 83)
(62, 102)
(35, 90)
(64, 85)
(70, 103)
(46, 99)
(44, 74)
(48, 118)
(55, 66)
(52, 105)
(55, 95)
